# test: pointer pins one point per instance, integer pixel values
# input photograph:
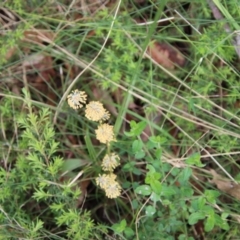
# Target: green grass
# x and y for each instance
(174, 123)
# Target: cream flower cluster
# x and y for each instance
(95, 111)
(109, 184)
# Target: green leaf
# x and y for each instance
(155, 197)
(195, 159)
(209, 223)
(150, 168)
(186, 191)
(136, 171)
(38, 225)
(166, 202)
(168, 191)
(119, 227)
(224, 215)
(156, 186)
(90, 147)
(150, 211)
(144, 190)
(195, 217)
(53, 147)
(221, 221)
(185, 175)
(57, 207)
(152, 177)
(150, 145)
(201, 202)
(211, 195)
(174, 171)
(208, 210)
(158, 154)
(137, 146)
(184, 237)
(73, 163)
(129, 232)
(136, 129)
(55, 166)
(140, 154)
(194, 205)
(237, 177)
(158, 140)
(129, 166)
(135, 204)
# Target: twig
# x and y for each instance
(151, 22)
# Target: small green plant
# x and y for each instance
(165, 201)
(34, 202)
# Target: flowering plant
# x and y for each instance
(94, 111)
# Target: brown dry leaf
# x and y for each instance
(38, 36)
(237, 104)
(10, 52)
(8, 19)
(33, 36)
(42, 64)
(166, 55)
(83, 186)
(225, 185)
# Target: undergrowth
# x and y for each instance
(147, 147)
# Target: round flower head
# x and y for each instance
(106, 116)
(104, 133)
(104, 180)
(113, 190)
(76, 98)
(110, 162)
(95, 111)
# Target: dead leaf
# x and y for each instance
(10, 52)
(38, 36)
(40, 64)
(226, 185)
(40, 73)
(166, 55)
(8, 19)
